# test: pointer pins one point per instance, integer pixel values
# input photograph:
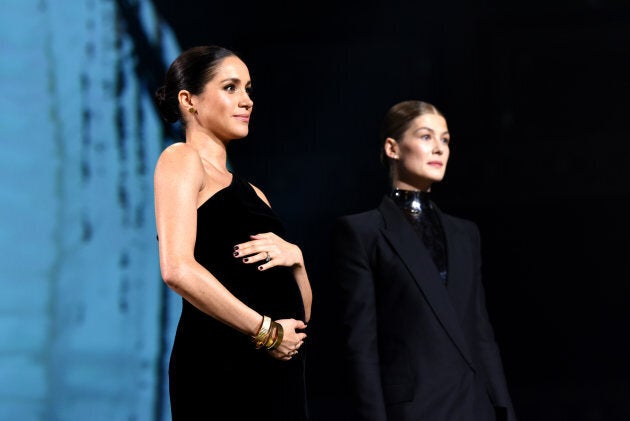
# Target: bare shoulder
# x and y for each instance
(179, 166)
(260, 194)
(179, 157)
(179, 151)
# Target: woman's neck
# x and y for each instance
(402, 185)
(413, 201)
(213, 153)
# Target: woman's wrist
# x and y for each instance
(298, 258)
(263, 332)
(269, 335)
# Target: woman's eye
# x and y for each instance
(446, 140)
(230, 88)
(425, 137)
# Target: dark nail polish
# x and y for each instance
(235, 247)
(260, 268)
(245, 260)
(236, 254)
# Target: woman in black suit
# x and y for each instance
(419, 342)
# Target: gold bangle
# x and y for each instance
(272, 335)
(278, 339)
(263, 332)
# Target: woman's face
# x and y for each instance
(224, 107)
(420, 156)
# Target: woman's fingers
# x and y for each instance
(268, 250)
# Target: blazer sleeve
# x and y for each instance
(487, 347)
(353, 274)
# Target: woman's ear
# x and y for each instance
(185, 99)
(391, 148)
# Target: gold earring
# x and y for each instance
(192, 110)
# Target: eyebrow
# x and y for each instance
(235, 80)
(431, 130)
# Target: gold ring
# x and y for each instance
(268, 258)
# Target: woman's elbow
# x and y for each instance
(172, 271)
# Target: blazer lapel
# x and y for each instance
(417, 259)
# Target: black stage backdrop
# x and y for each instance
(536, 95)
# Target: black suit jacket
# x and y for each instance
(416, 349)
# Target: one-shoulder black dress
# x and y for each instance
(215, 372)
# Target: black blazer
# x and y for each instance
(416, 349)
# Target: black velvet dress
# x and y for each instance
(215, 372)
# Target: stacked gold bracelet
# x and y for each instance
(263, 333)
(277, 337)
(269, 335)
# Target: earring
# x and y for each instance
(395, 156)
(192, 110)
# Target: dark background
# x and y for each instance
(536, 95)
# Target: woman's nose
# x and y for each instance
(247, 102)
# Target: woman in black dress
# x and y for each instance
(245, 291)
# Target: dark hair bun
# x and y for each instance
(167, 112)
